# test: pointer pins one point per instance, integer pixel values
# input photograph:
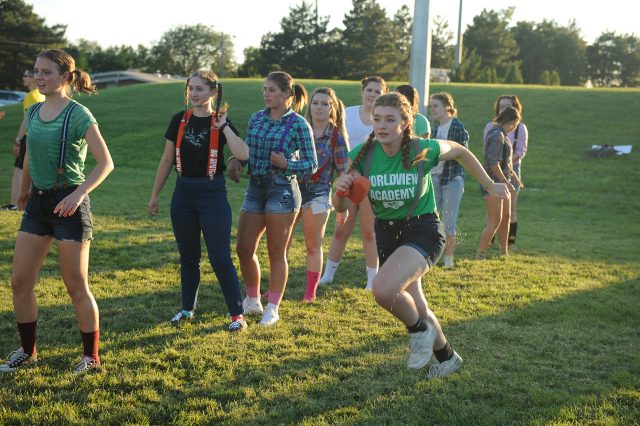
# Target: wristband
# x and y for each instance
(223, 126)
(486, 184)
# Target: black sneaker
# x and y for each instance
(11, 207)
(17, 359)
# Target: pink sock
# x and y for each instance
(253, 290)
(313, 278)
(275, 298)
(236, 317)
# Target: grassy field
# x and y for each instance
(549, 335)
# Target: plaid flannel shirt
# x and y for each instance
(336, 164)
(457, 133)
(263, 137)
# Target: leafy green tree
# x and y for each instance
(549, 46)
(369, 45)
(514, 74)
(23, 34)
(304, 47)
(545, 78)
(402, 23)
(442, 49)
(469, 69)
(554, 78)
(185, 49)
(614, 60)
(490, 37)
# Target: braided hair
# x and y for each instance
(400, 102)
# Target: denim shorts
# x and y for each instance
(272, 194)
(316, 196)
(38, 217)
(424, 233)
(448, 199)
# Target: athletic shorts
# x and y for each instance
(424, 233)
(38, 217)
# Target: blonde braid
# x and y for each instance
(368, 144)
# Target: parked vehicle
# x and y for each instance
(9, 97)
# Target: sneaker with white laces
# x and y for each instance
(446, 368)
(11, 207)
(182, 316)
(238, 325)
(421, 344)
(252, 306)
(270, 316)
(87, 365)
(17, 359)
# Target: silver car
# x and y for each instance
(9, 97)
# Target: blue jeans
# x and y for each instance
(448, 199)
(200, 205)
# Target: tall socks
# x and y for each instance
(313, 278)
(90, 343)
(27, 332)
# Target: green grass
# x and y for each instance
(549, 336)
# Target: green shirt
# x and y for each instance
(421, 125)
(393, 188)
(44, 147)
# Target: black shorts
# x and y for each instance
(424, 233)
(39, 219)
(19, 163)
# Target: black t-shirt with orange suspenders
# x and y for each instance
(196, 145)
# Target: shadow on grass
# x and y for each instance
(538, 363)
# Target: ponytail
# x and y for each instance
(300, 95)
(81, 82)
(78, 80)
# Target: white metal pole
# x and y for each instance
(459, 45)
(420, 65)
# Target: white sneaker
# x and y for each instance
(17, 359)
(446, 368)
(270, 316)
(421, 344)
(182, 316)
(325, 280)
(252, 306)
(447, 261)
(87, 365)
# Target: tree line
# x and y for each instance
(495, 50)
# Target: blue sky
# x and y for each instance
(116, 22)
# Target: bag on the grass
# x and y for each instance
(601, 151)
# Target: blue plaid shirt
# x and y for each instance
(336, 161)
(263, 137)
(457, 133)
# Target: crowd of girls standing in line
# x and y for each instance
(292, 162)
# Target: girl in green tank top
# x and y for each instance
(57, 204)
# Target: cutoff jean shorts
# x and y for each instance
(272, 194)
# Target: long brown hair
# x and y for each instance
(400, 102)
(374, 79)
(515, 102)
(411, 94)
(336, 116)
(79, 80)
(284, 81)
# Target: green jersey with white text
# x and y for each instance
(394, 188)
